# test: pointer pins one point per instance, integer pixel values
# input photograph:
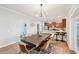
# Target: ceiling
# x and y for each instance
(50, 10)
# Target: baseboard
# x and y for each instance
(8, 44)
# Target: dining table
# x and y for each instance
(36, 39)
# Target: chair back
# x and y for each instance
(23, 48)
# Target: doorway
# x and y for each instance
(76, 35)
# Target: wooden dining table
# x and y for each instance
(35, 40)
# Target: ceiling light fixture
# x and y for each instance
(41, 14)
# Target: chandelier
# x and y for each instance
(42, 13)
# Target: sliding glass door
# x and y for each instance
(76, 35)
(77, 23)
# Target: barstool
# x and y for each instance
(63, 34)
(57, 34)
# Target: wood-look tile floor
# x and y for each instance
(59, 48)
(11, 49)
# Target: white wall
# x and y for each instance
(10, 26)
(70, 33)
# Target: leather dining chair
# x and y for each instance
(23, 48)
